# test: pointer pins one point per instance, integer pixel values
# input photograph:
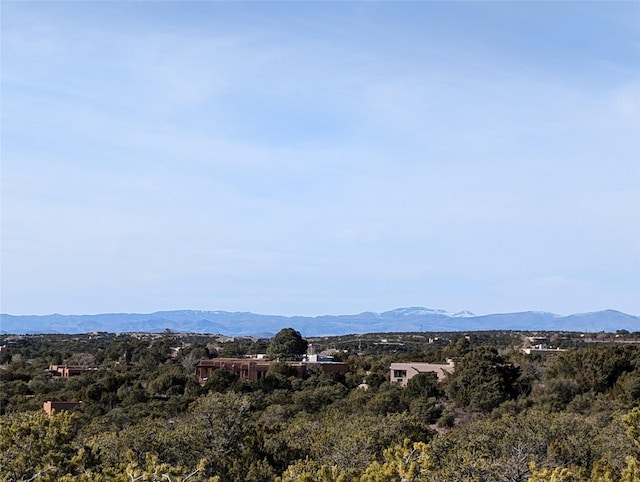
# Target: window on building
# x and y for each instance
(399, 373)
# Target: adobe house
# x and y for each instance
(403, 372)
(50, 406)
(254, 369)
(66, 371)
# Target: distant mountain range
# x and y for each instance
(414, 319)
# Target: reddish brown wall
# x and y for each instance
(50, 406)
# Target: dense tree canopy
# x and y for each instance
(501, 416)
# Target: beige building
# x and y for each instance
(403, 372)
(66, 371)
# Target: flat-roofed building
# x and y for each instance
(49, 407)
(403, 372)
(66, 371)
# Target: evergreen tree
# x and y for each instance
(288, 344)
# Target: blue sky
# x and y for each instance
(320, 157)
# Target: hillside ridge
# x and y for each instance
(413, 319)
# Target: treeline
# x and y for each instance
(502, 415)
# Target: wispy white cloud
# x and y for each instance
(391, 165)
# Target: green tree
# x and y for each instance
(482, 380)
(34, 445)
(311, 471)
(409, 462)
(422, 385)
(288, 344)
(218, 424)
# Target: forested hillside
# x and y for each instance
(502, 415)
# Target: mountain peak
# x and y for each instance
(415, 310)
(464, 314)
